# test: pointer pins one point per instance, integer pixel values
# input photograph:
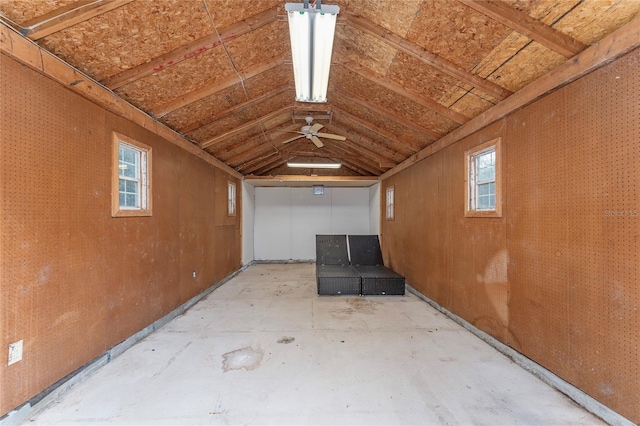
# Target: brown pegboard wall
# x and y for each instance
(53, 209)
(536, 176)
(603, 151)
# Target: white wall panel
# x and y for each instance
(350, 211)
(310, 215)
(287, 219)
(374, 209)
(272, 226)
(248, 214)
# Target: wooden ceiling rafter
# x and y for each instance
(374, 149)
(236, 154)
(256, 150)
(524, 24)
(203, 92)
(252, 161)
(358, 170)
(192, 49)
(362, 162)
(412, 95)
(253, 123)
(338, 154)
(427, 57)
(68, 16)
(412, 147)
(235, 109)
(410, 124)
(265, 166)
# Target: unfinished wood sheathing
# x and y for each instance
(377, 142)
(366, 146)
(589, 22)
(260, 45)
(76, 281)
(409, 138)
(530, 63)
(220, 126)
(228, 12)
(277, 102)
(234, 140)
(21, 11)
(269, 80)
(467, 102)
(184, 77)
(54, 208)
(452, 25)
(363, 49)
(395, 16)
(404, 107)
(416, 75)
(125, 37)
(204, 108)
(580, 240)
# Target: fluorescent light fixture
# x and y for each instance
(314, 165)
(311, 31)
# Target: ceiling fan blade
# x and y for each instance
(293, 138)
(316, 127)
(317, 141)
(330, 136)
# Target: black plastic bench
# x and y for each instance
(366, 259)
(333, 273)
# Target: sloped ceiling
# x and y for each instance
(405, 72)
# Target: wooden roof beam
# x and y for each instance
(413, 147)
(203, 92)
(427, 57)
(524, 24)
(268, 166)
(192, 49)
(234, 109)
(258, 163)
(387, 113)
(372, 149)
(68, 16)
(256, 150)
(363, 162)
(258, 121)
(412, 95)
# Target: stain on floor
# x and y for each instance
(247, 358)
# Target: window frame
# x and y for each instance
(389, 202)
(144, 183)
(470, 184)
(232, 198)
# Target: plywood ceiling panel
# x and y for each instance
(129, 35)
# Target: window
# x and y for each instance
(131, 178)
(231, 192)
(390, 212)
(483, 180)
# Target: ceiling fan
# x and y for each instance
(310, 131)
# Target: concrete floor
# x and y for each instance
(265, 349)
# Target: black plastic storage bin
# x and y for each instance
(334, 275)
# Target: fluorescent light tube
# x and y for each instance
(314, 165)
(324, 29)
(311, 33)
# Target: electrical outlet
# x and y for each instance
(15, 352)
(193, 274)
